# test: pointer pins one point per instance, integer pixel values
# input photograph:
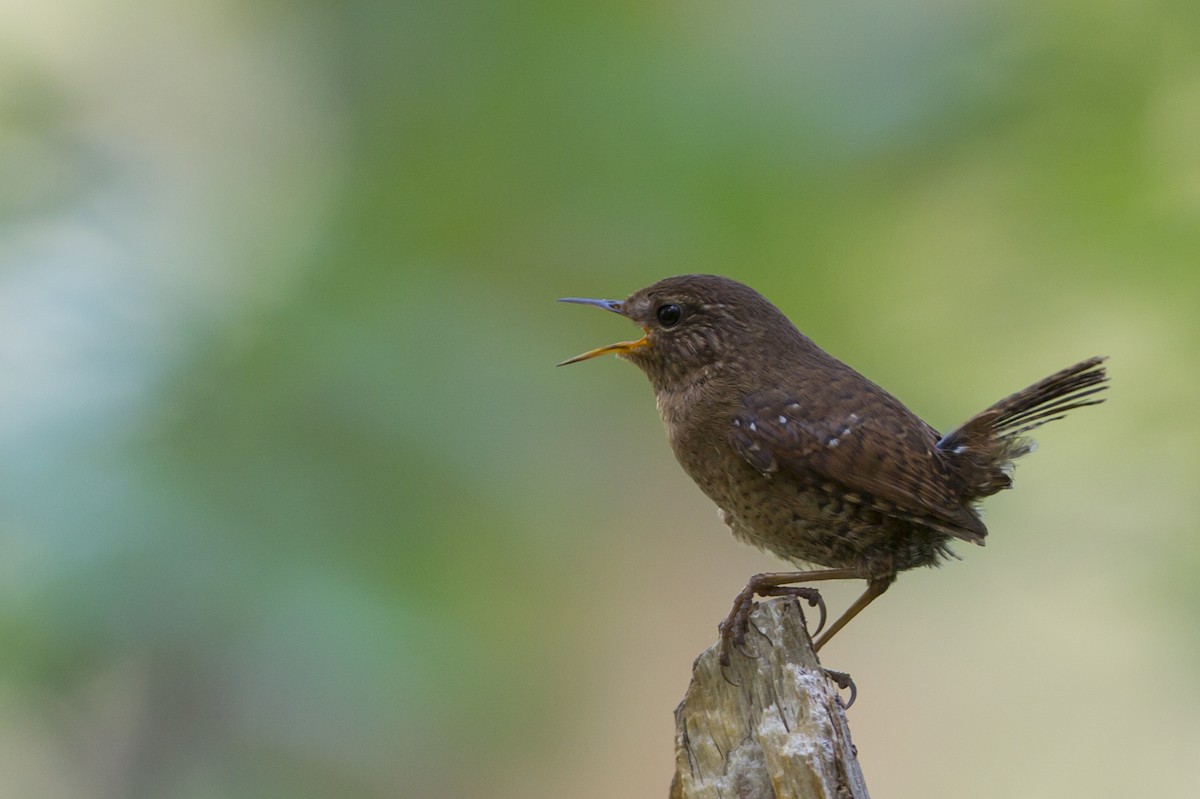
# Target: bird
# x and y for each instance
(808, 459)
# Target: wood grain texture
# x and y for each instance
(780, 732)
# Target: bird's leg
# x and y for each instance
(875, 587)
(733, 629)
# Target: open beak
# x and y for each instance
(621, 346)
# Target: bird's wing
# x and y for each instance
(878, 454)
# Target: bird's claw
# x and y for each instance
(843, 681)
(810, 595)
(733, 630)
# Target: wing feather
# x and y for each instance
(878, 454)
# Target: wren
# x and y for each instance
(808, 459)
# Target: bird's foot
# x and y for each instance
(810, 595)
(737, 623)
(843, 681)
(733, 630)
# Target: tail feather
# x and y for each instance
(1052, 397)
(982, 448)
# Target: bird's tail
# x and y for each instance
(982, 449)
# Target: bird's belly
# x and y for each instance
(806, 525)
(801, 521)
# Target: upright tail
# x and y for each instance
(982, 449)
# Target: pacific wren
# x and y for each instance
(807, 458)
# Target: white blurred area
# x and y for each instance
(166, 170)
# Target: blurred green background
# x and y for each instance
(293, 502)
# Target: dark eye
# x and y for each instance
(669, 314)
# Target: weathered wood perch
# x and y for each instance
(779, 733)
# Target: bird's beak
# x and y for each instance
(621, 346)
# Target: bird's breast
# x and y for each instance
(699, 437)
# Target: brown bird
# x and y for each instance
(808, 459)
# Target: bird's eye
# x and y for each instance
(669, 314)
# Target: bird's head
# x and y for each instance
(692, 324)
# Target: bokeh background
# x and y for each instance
(293, 502)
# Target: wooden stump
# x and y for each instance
(778, 732)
